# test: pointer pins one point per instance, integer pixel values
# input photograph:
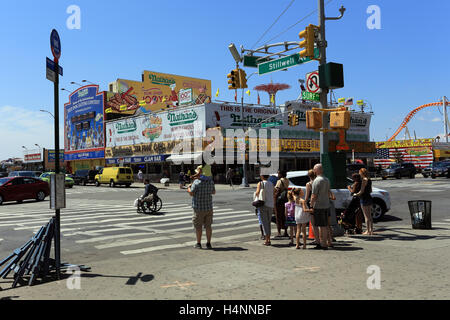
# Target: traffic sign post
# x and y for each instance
(284, 63)
(272, 124)
(312, 82)
(310, 96)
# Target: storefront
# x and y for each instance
(84, 143)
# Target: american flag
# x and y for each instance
(420, 156)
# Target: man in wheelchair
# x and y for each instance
(150, 192)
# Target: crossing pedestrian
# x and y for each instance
(320, 201)
(229, 177)
(280, 198)
(201, 192)
(265, 212)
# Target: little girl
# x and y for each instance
(302, 216)
(289, 211)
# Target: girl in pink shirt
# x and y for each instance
(289, 212)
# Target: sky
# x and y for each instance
(396, 68)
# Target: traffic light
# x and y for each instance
(296, 120)
(308, 43)
(242, 79)
(340, 120)
(233, 79)
(313, 119)
(290, 116)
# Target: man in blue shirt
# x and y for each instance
(201, 192)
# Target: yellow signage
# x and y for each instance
(155, 92)
(438, 153)
(404, 143)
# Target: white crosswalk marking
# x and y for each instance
(112, 226)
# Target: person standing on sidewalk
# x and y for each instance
(280, 199)
(229, 177)
(311, 176)
(366, 200)
(140, 176)
(201, 192)
(265, 212)
(320, 201)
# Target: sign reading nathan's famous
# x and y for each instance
(166, 126)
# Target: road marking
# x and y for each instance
(179, 285)
(301, 268)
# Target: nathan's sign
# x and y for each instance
(404, 143)
(165, 126)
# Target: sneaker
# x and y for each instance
(198, 246)
(208, 246)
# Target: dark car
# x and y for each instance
(399, 170)
(22, 188)
(34, 174)
(84, 176)
(3, 174)
(426, 172)
(441, 169)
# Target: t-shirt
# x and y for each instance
(321, 188)
(268, 199)
(290, 206)
(206, 170)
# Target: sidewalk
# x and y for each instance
(413, 265)
(176, 186)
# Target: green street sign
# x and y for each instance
(310, 96)
(272, 124)
(285, 62)
(250, 61)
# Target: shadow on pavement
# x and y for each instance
(388, 218)
(229, 249)
(344, 248)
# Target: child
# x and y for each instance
(289, 211)
(302, 216)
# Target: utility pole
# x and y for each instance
(324, 142)
(444, 106)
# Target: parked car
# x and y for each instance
(399, 170)
(22, 188)
(441, 169)
(46, 177)
(3, 174)
(426, 172)
(114, 176)
(381, 198)
(34, 174)
(84, 176)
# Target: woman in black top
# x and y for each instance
(366, 200)
(355, 203)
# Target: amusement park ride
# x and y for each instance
(410, 115)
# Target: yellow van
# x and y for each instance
(114, 176)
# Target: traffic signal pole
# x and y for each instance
(324, 141)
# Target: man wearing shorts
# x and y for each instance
(320, 201)
(201, 192)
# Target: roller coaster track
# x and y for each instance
(412, 114)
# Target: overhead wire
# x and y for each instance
(276, 20)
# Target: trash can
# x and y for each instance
(420, 211)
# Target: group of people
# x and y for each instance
(295, 209)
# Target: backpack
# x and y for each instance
(282, 197)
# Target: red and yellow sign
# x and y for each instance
(155, 92)
(439, 153)
(404, 143)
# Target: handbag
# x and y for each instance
(259, 200)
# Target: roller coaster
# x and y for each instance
(413, 113)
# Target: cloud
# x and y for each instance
(25, 127)
(436, 120)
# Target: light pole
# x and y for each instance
(73, 82)
(64, 89)
(47, 112)
(87, 81)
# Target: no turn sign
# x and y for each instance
(312, 82)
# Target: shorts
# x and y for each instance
(202, 218)
(365, 202)
(290, 222)
(321, 217)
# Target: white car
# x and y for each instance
(381, 198)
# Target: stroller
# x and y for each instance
(349, 217)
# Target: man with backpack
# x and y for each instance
(280, 198)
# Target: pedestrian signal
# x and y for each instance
(340, 120)
(313, 119)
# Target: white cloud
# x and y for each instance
(436, 120)
(26, 127)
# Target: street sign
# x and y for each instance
(50, 75)
(285, 62)
(55, 44)
(312, 82)
(272, 124)
(52, 66)
(250, 61)
(310, 96)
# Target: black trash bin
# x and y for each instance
(420, 211)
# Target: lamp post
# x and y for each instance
(64, 89)
(87, 81)
(48, 113)
(73, 82)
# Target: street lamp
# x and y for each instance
(235, 53)
(48, 112)
(87, 81)
(64, 89)
(73, 82)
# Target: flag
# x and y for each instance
(272, 98)
(248, 92)
(235, 96)
(217, 92)
(259, 100)
(360, 102)
(348, 102)
(341, 100)
(421, 157)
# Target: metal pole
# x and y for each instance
(444, 106)
(57, 170)
(324, 92)
(244, 167)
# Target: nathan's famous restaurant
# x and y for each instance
(143, 122)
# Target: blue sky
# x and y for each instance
(397, 68)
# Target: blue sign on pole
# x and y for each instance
(52, 66)
(55, 44)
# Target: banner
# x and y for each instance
(51, 155)
(83, 129)
(166, 126)
(405, 143)
(157, 90)
(32, 156)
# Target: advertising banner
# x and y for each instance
(166, 126)
(405, 143)
(157, 90)
(229, 116)
(146, 159)
(51, 155)
(32, 156)
(83, 118)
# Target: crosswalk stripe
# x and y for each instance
(181, 245)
